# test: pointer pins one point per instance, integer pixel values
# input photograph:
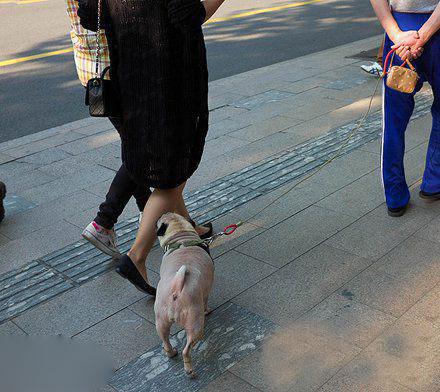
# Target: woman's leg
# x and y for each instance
(160, 202)
(431, 63)
(118, 196)
(397, 109)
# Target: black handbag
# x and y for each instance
(102, 97)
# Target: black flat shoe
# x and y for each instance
(429, 196)
(2, 196)
(209, 233)
(208, 225)
(397, 212)
(128, 270)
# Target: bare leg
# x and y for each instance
(163, 330)
(160, 202)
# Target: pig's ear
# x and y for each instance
(162, 230)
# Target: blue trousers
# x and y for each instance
(397, 110)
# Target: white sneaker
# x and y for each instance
(101, 238)
(373, 69)
(141, 214)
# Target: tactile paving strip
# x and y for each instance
(76, 264)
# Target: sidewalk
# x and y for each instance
(320, 292)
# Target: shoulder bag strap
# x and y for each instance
(98, 45)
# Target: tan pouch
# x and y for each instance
(400, 78)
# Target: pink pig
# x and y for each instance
(186, 278)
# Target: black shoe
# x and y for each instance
(2, 196)
(128, 270)
(208, 225)
(396, 212)
(429, 196)
(209, 233)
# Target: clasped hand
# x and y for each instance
(408, 45)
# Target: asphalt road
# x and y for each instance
(36, 95)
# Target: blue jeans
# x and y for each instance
(397, 110)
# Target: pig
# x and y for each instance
(186, 279)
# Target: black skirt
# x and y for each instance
(158, 59)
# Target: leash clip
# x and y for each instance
(228, 230)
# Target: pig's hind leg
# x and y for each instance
(194, 333)
(163, 330)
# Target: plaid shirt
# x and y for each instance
(84, 46)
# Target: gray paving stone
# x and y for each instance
(207, 173)
(50, 214)
(431, 230)
(373, 147)
(234, 273)
(15, 205)
(124, 335)
(231, 333)
(5, 158)
(97, 127)
(9, 328)
(297, 287)
(295, 235)
(17, 253)
(21, 141)
(346, 319)
(415, 163)
(362, 375)
(304, 84)
(418, 132)
(106, 388)
(294, 359)
(346, 169)
(259, 100)
(265, 128)
(15, 169)
(313, 108)
(91, 142)
(18, 184)
(229, 382)
(226, 243)
(43, 144)
(263, 148)
(224, 113)
(357, 198)
(68, 166)
(433, 208)
(378, 219)
(388, 292)
(348, 76)
(3, 240)
(218, 100)
(316, 127)
(221, 145)
(227, 126)
(67, 185)
(273, 206)
(366, 243)
(415, 260)
(406, 354)
(45, 157)
(428, 308)
(80, 308)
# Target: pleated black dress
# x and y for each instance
(158, 59)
